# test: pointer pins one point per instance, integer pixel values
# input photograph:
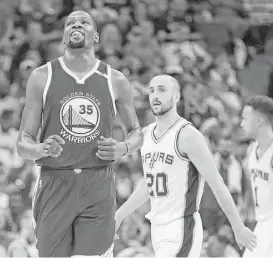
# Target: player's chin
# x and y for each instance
(156, 112)
(76, 45)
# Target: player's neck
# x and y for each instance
(165, 121)
(80, 57)
(264, 138)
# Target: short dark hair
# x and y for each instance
(93, 21)
(263, 104)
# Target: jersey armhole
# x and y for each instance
(110, 85)
(48, 81)
(182, 156)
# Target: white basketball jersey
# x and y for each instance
(262, 180)
(175, 185)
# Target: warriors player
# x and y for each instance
(74, 100)
(176, 161)
(257, 125)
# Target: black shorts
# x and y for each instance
(74, 212)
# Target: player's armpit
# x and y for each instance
(32, 114)
(126, 111)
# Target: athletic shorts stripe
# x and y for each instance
(192, 190)
(188, 235)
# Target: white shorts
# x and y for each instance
(264, 233)
(180, 238)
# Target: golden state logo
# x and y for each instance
(80, 118)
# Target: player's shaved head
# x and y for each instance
(166, 80)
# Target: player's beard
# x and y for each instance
(76, 45)
(164, 109)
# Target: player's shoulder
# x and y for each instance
(118, 77)
(41, 71)
(116, 74)
(39, 76)
(251, 147)
(148, 128)
(188, 133)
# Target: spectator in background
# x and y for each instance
(110, 42)
(143, 45)
(24, 244)
(101, 13)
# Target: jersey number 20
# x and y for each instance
(157, 184)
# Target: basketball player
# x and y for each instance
(74, 101)
(257, 125)
(176, 161)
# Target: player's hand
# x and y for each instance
(52, 146)
(110, 149)
(246, 238)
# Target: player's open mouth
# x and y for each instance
(76, 32)
(156, 103)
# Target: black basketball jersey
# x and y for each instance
(78, 110)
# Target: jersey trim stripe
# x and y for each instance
(180, 155)
(110, 85)
(34, 195)
(188, 235)
(86, 76)
(165, 133)
(199, 191)
(48, 81)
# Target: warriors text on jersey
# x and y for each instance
(80, 111)
(175, 185)
(262, 180)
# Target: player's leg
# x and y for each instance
(264, 248)
(192, 237)
(181, 238)
(94, 228)
(53, 202)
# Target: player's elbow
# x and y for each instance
(20, 149)
(19, 146)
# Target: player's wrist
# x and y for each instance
(238, 227)
(39, 148)
(126, 149)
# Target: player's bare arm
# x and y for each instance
(27, 145)
(137, 198)
(193, 143)
(109, 149)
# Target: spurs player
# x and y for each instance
(176, 160)
(257, 125)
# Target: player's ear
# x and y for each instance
(63, 41)
(97, 37)
(176, 96)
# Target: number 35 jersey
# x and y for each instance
(262, 181)
(174, 183)
(79, 110)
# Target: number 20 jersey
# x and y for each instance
(262, 181)
(174, 183)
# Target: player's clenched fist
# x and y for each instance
(52, 146)
(110, 149)
(245, 238)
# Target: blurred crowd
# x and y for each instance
(209, 46)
